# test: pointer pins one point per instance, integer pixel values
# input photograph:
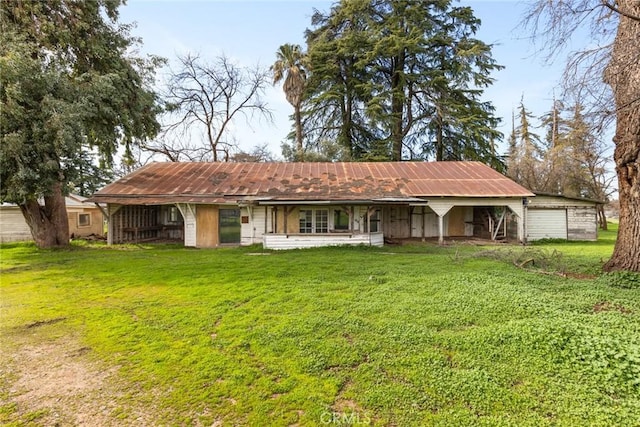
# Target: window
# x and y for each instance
(173, 215)
(84, 220)
(314, 220)
(374, 220)
(306, 221)
(340, 220)
(322, 221)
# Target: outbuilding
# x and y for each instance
(85, 219)
(552, 216)
(298, 205)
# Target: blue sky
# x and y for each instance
(250, 32)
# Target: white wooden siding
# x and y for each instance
(557, 202)
(188, 212)
(259, 223)
(582, 223)
(580, 217)
(430, 222)
(13, 227)
(546, 224)
(300, 241)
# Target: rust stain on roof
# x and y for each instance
(159, 183)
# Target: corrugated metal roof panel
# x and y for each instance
(212, 182)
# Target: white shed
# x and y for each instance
(13, 227)
(552, 216)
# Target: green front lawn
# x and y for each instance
(411, 335)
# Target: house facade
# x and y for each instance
(85, 219)
(299, 205)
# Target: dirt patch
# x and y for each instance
(607, 306)
(56, 383)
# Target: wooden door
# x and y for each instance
(207, 226)
(456, 221)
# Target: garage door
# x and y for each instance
(546, 224)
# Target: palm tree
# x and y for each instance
(290, 66)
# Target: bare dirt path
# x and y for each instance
(56, 382)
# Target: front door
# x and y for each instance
(229, 225)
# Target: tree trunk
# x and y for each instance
(623, 75)
(299, 147)
(439, 136)
(49, 224)
(602, 217)
(397, 107)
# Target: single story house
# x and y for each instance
(84, 219)
(299, 205)
(553, 216)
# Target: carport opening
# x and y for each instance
(497, 223)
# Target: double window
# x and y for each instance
(323, 220)
(314, 220)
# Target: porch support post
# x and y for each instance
(274, 219)
(188, 212)
(411, 209)
(441, 209)
(111, 210)
(286, 220)
(266, 211)
(109, 226)
(520, 209)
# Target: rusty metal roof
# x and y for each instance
(160, 183)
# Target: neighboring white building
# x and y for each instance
(85, 219)
(13, 227)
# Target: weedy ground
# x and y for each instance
(401, 335)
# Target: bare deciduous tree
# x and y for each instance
(613, 53)
(205, 101)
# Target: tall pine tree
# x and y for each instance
(401, 79)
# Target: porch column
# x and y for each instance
(441, 210)
(520, 209)
(110, 227)
(188, 212)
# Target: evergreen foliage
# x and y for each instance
(393, 80)
(68, 84)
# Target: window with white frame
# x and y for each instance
(314, 220)
(306, 221)
(84, 220)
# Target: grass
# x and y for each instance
(411, 335)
